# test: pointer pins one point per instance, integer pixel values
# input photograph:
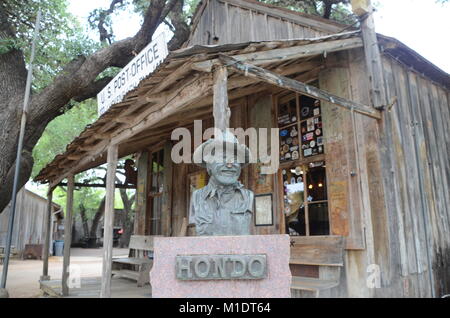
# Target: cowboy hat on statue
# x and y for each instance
(223, 206)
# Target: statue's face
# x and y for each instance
(224, 173)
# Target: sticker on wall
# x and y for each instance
(288, 156)
(285, 148)
(310, 124)
(312, 144)
(305, 112)
(293, 180)
(294, 132)
(289, 141)
(295, 141)
(309, 136)
(307, 152)
(299, 180)
(319, 141)
(293, 148)
(298, 170)
(295, 155)
(283, 133)
(316, 111)
(318, 132)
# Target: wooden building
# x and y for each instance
(29, 226)
(364, 144)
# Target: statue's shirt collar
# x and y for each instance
(213, 189)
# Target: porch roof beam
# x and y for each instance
(296, 86)
(285, 54)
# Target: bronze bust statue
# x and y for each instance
(223, 206)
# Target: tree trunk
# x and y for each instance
(84, 221)
(128, 219)
(96, 220)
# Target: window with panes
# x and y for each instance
(302, 165)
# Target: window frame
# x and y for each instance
(155, 195)
(302, 161)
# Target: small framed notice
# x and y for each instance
(263, 210)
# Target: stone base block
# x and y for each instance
(221, 266)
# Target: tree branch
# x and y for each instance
(93, 89)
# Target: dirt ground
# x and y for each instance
(23, 275)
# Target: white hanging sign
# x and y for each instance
(129, 77)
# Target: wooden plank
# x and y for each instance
(261, 116)
(296, 86)
(285, 54)
(312, 284)
(406, 169)
(142, 242)
(47, 235)
(141, 194)
(392, 181)
(132, 260)
(67, 234)
(288, 15)
(317, 250)
(371, 52)
(180, 200)
(105, 291)
(221, 110)
(166, 209)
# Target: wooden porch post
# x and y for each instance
(67, 234)
(47, 234)
(141, 194)
(166, 213)
(105, 291)
(221, 110)
(363, 9)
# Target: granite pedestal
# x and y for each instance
(253, 266)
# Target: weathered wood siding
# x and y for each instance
(418, 160)
(403, 166)
(224, 22)
(31, 211)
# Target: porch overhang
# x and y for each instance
(180, 90)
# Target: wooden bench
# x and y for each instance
(139, 261)
(319, 251)
(12, 253)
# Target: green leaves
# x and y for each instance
(61, 131)
(61, 37)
